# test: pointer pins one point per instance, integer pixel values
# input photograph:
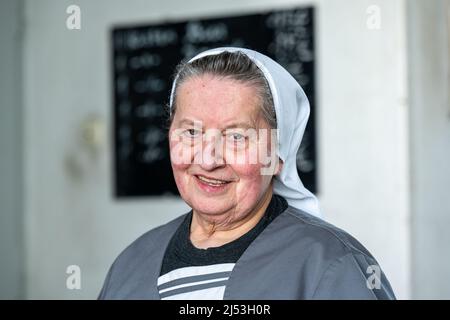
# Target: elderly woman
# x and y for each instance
(254, 232)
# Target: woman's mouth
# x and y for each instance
(211, 185)
(213, 182)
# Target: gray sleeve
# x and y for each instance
(103, 295)
(353, 276)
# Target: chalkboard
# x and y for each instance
(144, 58)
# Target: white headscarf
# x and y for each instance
(292, 112)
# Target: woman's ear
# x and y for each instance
(279, 166)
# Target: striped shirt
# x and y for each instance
(191, 273)
(200, 283)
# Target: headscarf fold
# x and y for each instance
(292, 112)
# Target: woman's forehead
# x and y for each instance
(217, 99)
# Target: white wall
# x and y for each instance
(71, 215)
(363, 134)
(11, 195)
(430, 147)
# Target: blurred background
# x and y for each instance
(74, 193)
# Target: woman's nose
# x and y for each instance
(212, 153)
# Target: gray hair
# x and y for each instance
(233, 65)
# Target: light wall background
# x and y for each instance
(383, 122)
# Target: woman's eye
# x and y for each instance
(192, 133)
(237, 137)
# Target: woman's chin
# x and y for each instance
(211, 208)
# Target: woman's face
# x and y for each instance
(218, 139)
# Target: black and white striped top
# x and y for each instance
(202, 282)
(191, 273)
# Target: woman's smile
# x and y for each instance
(211, 186)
